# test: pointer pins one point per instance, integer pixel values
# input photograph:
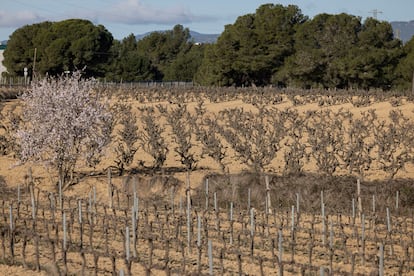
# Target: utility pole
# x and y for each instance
(375, 13)
(34, 62)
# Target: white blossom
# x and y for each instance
(64, 122)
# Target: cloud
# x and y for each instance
(129, 12)
(9, 19)
(134, 12)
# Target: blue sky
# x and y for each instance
(124, 17)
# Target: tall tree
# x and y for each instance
(322, 47)
(378, 55)
(21, 47)
(253, 48)
(127, 64)
(162, 48)
(405, 69)
(66, 45)
(338, 51)
(186, 64)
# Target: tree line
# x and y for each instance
(276, 45)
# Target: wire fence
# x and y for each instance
(22, 81)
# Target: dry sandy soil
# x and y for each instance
(16, 174)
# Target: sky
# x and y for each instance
(123, 17)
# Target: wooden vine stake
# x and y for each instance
(11, 235)
(134, 227)
(206, 208)
(363, 238)
(268, 202)
(199, 244)
(210, 257)
(381, 260)
(359, 198)
(280, 249)
(188, 213)
(110, 199)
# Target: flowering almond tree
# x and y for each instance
(65, 122)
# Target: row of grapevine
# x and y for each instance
(337, 142)
(44, 231)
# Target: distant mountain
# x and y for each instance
(204, 38)
(4, 42)
(195, 36)
(403, 29)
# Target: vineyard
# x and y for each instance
(200, 181)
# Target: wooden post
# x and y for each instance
(60, 194)
(32, 197)
(127, 250)
(188, 213)
(110, 188)
(11, 218)
(248, 199)
(388, 221)
(215, 202)
(198, 230)
(134, 227)
(397, 199)
(359, 198)
(210, 257)
(206, 194)
(363, 238)
(280, 246)
(297, 203)
(64, 231)
(80, 211)
(269, 204)
(323, 225)
(381, 260)
(373, 204)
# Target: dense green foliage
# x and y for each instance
(127, 64)
(66, 45)
(405, 69)
(172, 53)
(276, 45)
(252, 49)
(339, 51)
